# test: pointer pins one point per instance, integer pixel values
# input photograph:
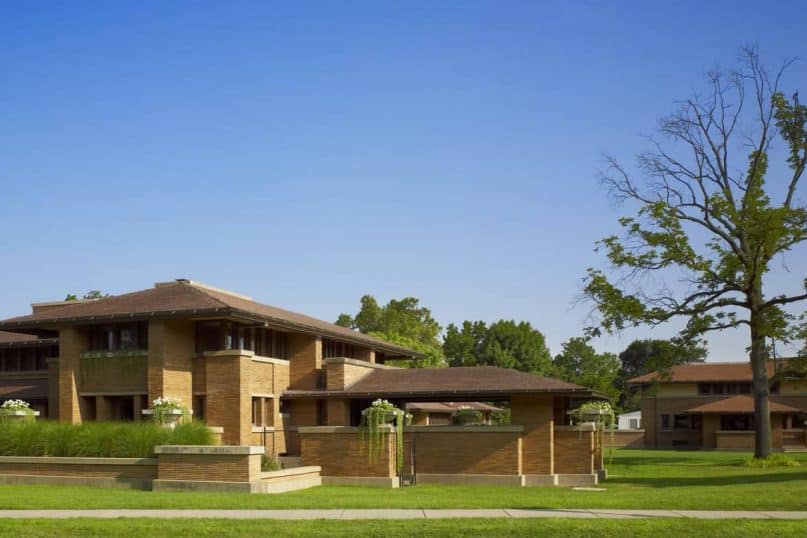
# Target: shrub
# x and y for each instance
(466, 415)
(96, 439)
(773, 461)
(269, 463)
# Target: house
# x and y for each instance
(261, 375)
(630, 421)
(711, 405)
(24, 368)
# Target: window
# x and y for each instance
(322, 413)
(665, 422)
(119, 336)
(257, 419)
(681, 422)
(199, 407)
(737, 422)
(633, 423)
(775, 388)
(704, 389)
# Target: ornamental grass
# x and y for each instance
(96, 439)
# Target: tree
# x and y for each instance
(580, 363)
(90, 295)
(707, 217)
(403, 322)
(505, 344)
(644, 356)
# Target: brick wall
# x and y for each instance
(626, 438)
(574, 451)
(209, 467)
(339, 454)
(72, 342)
(229, 395)
(170, 360)
(465, 452)
(146, 470)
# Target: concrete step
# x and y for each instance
(290, 462)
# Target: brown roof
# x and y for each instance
(468, 381)
(186, 298)
(449, 407)
(705, 371)
(11, 339)
(23, 389)
(740, 404)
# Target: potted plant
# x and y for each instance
(167, 411)
(17, 410)
(374, 429)
(465, 416)
(601, 415)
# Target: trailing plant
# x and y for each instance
(467, 415)
(373, 430)
(602, 414)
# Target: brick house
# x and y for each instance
(260, 375)
(711, 405)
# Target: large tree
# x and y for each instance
(506, 344)
(580, 363)
(709, 217)
(403, 322)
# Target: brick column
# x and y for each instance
(364, 354)
(305, 360)
(535, 413)
(229, 398)
(72, 342)
(170, 360)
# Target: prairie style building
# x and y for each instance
(711, 405)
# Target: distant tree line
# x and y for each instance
(517, 345)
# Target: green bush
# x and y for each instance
(96, 439)
(773, 461)
(269, 463)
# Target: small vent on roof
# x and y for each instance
(184, 280)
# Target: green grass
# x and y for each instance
(351, 529)
(639, 479)
(96, 439)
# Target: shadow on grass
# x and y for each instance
(723, 480)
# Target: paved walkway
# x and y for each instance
(402, 514)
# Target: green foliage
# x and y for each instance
(771, 462)
(96, 439)
(374, 429)
(92, 294)
(580, 363)
(501, 418)
(465, 416)
(403, 322)
(269, 463)
(505, 344)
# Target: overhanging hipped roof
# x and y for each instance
(8, 339)
(478, 382)
(33, 389)
(703, 372)
(185, 298)
(741, 404)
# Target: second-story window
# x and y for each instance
(119, 337)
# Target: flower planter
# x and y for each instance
(169, 417)
(17, 416)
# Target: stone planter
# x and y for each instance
(17, 416)
(170, 417)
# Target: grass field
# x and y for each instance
(638, 479)
(387, 529)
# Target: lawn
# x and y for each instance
(387, 529)
(639, 479)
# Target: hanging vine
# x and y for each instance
(373, 430)
(600, 413)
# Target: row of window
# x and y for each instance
(217, 336)
(119, 336)
(680, 422)
(706, 389)
(29, 359)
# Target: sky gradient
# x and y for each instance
(309, 153)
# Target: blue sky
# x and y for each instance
(309, 153)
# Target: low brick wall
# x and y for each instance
(735, 440)
(109, 472)
(338, 451)
(574, 451)
(209, 463)
(478, 450)
(626, 438)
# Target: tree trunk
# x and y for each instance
(762, 412)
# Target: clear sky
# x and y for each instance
(309, 153)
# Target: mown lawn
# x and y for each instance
(639, 479)
(351, 529)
